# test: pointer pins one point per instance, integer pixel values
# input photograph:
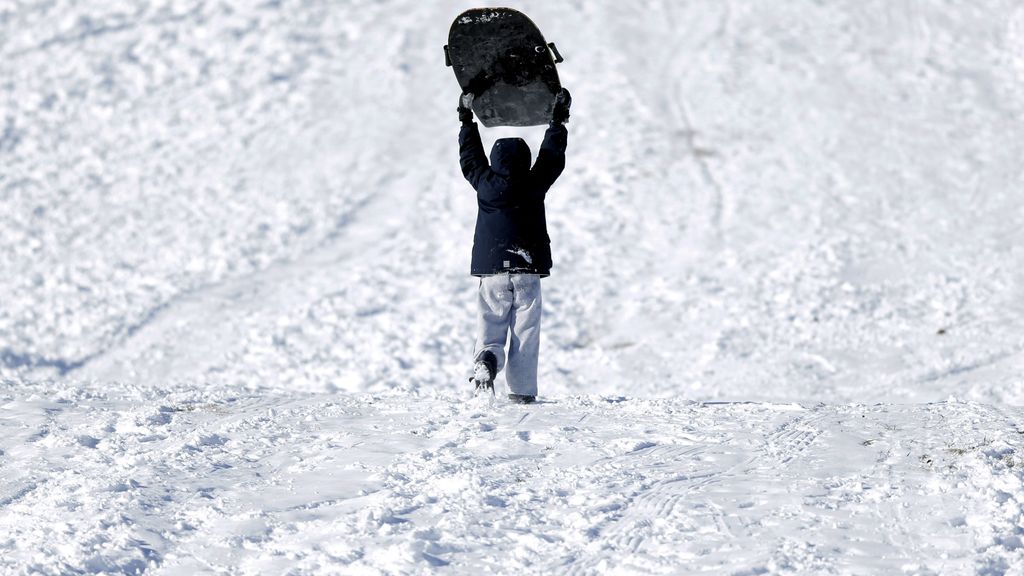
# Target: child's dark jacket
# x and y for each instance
(511, 231)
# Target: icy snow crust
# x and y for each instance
(783, 333)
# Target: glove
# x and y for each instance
(466, 108)
(563, 100)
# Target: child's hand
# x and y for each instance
(466, 108)
(563, 100)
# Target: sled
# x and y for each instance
(500, 56)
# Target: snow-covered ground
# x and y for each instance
(784, 332)
(273, 482)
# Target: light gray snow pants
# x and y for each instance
(511, 303)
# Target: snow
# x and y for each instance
(271, 482)
(782, 333)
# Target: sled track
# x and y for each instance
(793, 438)
(668, 511)
(979, 364)
(682, 118)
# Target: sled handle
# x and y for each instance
(447, 56)
(558, 57)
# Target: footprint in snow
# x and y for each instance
(209, 440)
(88, 441)
(495, 501)
(160, 418)
(212, 440)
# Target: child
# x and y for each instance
(511, 248)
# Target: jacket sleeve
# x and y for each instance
(551, 157)
(471, 155)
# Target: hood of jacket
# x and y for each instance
(510, 157)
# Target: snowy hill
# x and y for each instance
(783, 333)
